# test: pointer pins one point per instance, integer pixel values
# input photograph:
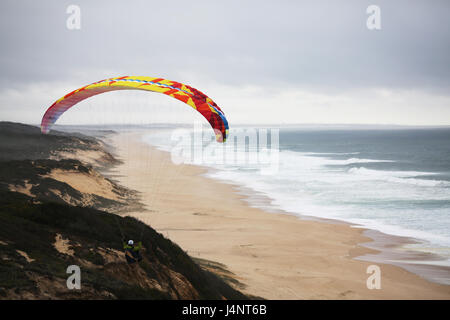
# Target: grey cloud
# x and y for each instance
(313, 44)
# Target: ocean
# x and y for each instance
(393, 180)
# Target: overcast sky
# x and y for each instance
(262, 62)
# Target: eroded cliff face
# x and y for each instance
(57, 210)
(152, 277)
(39, 241)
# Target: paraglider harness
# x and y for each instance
(132, 252)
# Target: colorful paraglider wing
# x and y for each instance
(191, 96)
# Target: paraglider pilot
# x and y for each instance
(132, 251)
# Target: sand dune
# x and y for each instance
(91, 183)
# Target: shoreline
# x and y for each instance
(389, 248)
(352, 243)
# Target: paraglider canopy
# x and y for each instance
(191, 96)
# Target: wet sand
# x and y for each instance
(274, 255)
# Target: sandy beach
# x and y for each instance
(273, 255)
